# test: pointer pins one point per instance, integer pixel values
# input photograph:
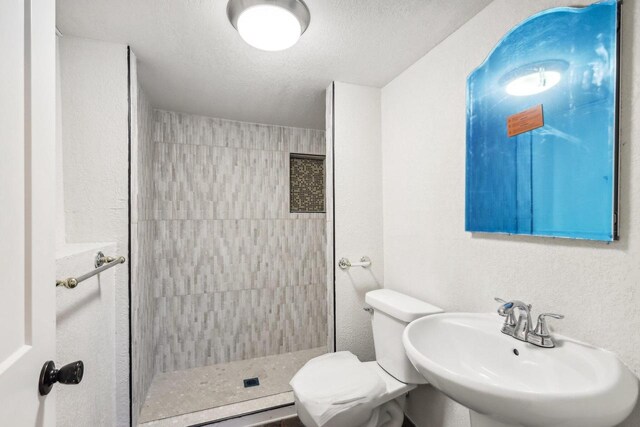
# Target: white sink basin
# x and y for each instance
(465, 356)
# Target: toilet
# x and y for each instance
(338, 390)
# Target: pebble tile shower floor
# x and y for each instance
(181, 392)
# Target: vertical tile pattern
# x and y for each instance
(234, 274)
(142, 240)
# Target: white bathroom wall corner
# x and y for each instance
(358, 211)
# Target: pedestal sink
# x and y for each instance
(506, 382)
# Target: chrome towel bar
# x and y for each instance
(344, 263)
(102, 263)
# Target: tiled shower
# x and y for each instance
(223, 271)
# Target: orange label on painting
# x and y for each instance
(525, 121)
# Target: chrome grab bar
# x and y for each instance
(102, 263)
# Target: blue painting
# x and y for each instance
(542, 128)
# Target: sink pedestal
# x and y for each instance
(479, 420)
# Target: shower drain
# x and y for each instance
(251, 382)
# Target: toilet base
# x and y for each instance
(389, 414)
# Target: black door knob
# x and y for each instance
(68, 374)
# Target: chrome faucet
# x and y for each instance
(521, 328)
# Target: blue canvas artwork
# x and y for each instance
(541, 154)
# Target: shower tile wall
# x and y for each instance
(236, 275)
(143, 232)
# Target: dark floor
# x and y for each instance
(295, 422)
(408, 423)
(291, 422)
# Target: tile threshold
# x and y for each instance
(221, 413)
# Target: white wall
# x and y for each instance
(85, 330)
(428, 254)
(358, 211)
(94, 105)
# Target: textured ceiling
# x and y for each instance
(191, 59)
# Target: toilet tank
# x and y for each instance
(392, 312)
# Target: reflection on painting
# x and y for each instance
(551, 84)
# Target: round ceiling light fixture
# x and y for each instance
(269, 25)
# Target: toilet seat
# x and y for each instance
(336, 389)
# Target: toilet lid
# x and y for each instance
(337, 379)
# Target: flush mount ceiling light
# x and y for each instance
(269, 24)
(534, 78)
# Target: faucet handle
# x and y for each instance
(501, 301)
(510, 318)
(502, 310)
(505, 305)
(541, 328)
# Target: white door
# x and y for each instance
(27, 149)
